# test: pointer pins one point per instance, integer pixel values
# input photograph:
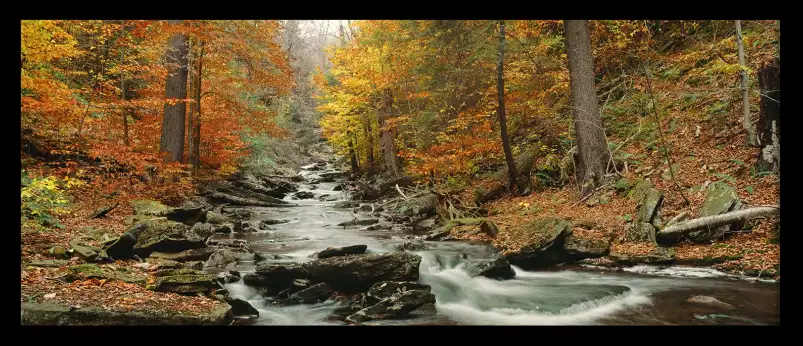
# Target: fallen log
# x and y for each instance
(672, 233)
(234, 200)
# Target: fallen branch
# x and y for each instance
(674, 231)
(400, 191)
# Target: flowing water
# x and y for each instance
(643, 295)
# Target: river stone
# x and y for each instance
(165, 236)
(187, 215)
(228, 277)
(356, 273)
(719, 199)
(244, 227)
(314, 294)
(497, 269)
(640, 232)
(201, 254)
(358, 222)
(203, 230)
(658, 255)
(540, 251)
(579, 248)
(241, 308)
(341, 251)
(649, 206)
(413, 245)
(225, 229)
(417, 206)
(396, 306)
(386, 289)
(52, 314)
(270, 222)
(186, 284)
(710, 301)
(278, 275)
(221, 258)
(303, 195)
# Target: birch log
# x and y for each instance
(674, 231)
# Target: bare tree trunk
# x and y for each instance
(196, 138)
(769, 119)
(172, 141)
(192, 77)
(748, 126)
(369, 134)
(591, 142)
(355, 167)
(390, 164)
(123, 86)
(674, 231)
(500, 88)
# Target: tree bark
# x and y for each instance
(769, 119)
(123, 86)
(748, 125)
(390, 165)
(192, 81)
(674, 231)
(172, 141)
(196, 138)
(591, 142)
(500, 88)
(355, 167)
(194, 114)
(370, 143)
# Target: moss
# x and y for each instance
(148, 207)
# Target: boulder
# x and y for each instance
(710, 301)
(221, 258)
(201, 254)
(84, 250)
(197, 265)
(241, 308)
(303, 195)
(244, 227)
(133, 219)
(358, 273)
(424, 205)
(578, 248)
(314, 294)
(386, 289)
(640, 232)
(413, 245)
(228, 277)
(649, 206)
(165, 236)
(224, 229)
(346, 204)
(497, 269)
(203, 230)
(217, 218)
(52, 314)
(638, 192)
(177, 271)
(398, 305)
(164, 263)
(186, 215)
(720, 198)
(542, 249)
(270, 222)
(444, 232)
(186, 284)
(275, 275)
(341, 251)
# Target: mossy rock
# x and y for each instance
(92, 271)
(720, 198)
(163, 263)
(540, 251)
(580, 248)
(179, 271)
(54, 314)
(641, 189)
(649, 206)
(58, 252)
(640, 232)
(622, 185)
(166, 236)
(346, 205)
(149, 207)
(186, 284)
(132, 219)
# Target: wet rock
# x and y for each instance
(201, 254)
(186, 284)
(424, 205)
(497, 269)
(165, 236)
(353, 303)
(203, 230)
(272, 222)
(358, 222)
(239, 214)
(413, 245)
(338, 187)
(342, 251)
(314, 294)
(221, 259)
(489, 228)
(658, 255)
(720, 198)
(542, 251)
(228, 277)
(216, 218)
(241, 308)
(425, 224)
(379, 226)
(275, 274)
(398, 305)
(331, 176)
(386, 289)
(244, 227)
(303, 195)
(710, 301)
(579, 248)
(640, 232)
(358, 273)
(346, 204)
(327, 198)
(196, 265)
(224, 229)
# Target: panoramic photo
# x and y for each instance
(400, 172)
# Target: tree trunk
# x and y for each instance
(370, 142)
(673, 232)
(748, 126)
(390, 165)
(123, 86)
(196, 138)
(591, 142)
(500, 87)
(355, 167)
(192, 81)
(172, 141)
(769, 118)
